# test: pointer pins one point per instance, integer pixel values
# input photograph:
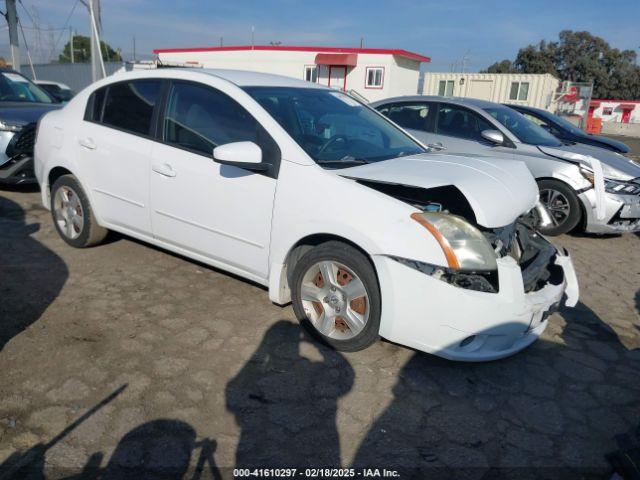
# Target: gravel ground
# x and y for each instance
(216, 376)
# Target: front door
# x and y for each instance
(459, 130)
(220, 212)
(626, 115)
(338, 77)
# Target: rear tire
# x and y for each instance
(335, 295)
(72, 214)
(563, 206)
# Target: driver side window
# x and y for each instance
(459, 122)
(199, 118)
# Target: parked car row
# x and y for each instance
(564, 171)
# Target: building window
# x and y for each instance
(607, 111)
(445, 88)
(375, 76)
(519, 91)
(311, 73)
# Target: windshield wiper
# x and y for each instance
(343, 160)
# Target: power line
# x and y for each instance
(64, 28)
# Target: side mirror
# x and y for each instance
(494, 136)
(245, 155)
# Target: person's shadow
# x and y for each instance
(31, 275)
(285, 404)
(548, 405)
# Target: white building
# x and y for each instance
(534, 90)
(373, 73)
(612, 111)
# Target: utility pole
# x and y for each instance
(71, 45)
(134, 48)
(361, 42)
(12, 20)
(97, 65)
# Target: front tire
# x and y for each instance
(335, 295)
(563, 206)
(72, 214)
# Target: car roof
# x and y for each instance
(240, 78)
(52, 82)
(435, 98)
(528, 108)
(244, 78)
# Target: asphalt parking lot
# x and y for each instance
(216, 376)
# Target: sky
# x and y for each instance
(483, 31)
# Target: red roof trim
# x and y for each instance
(346, 59)
(609, 100)
(379, 51)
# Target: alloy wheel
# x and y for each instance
(335, 300)
(557, 205)
(68, 212)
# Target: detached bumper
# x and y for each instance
(622, 213)
(17, 171)
(430, 315)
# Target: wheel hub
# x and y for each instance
(335, 300)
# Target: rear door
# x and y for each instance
(114, 147)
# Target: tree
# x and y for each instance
(505, 66)
(82, 51)
(580, 57)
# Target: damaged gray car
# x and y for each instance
(581, 186)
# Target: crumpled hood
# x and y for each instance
(499, 191)
(23, 113)
(627, 168)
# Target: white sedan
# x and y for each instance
(307, 191)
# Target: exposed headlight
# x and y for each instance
(613, 185)
(620, 187)
(9, 127)
(464, 246)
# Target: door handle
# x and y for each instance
(436, 146)
(164, 169)
(87, 143)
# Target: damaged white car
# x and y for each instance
(321, 199)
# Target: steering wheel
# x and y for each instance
(330, 142)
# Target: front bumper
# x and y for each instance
(18, 171)
(430, 315)
(622, 213)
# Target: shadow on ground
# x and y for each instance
(31, 274)
(159, 449)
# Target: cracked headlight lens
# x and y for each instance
(464, 246)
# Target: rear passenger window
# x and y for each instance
(407, 115)
(129, 105)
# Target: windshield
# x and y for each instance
(525, 130)
(16, 88)
(333, 128)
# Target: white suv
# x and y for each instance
(309, 192)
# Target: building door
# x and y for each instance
(338, 77)
(626, 115)
(480, 89)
